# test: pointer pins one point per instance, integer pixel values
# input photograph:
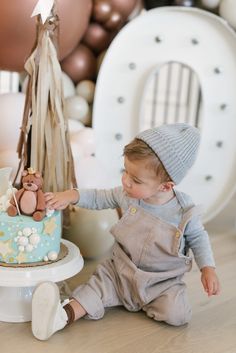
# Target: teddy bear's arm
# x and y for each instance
(18, 195)
(41, 205)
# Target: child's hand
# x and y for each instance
(60, 200)
(210, 281)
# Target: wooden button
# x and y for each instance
(133, 210)
(177, 234)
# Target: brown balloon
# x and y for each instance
(80, 64)
(18, 29)
(115, 21)
(101, 10)
(125, 7)
(97, 38)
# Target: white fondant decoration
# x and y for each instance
(43, 8)
(52, 255)
(27, 239)
(29, 248)
(27, 231)
(34, 239)
(23, 241)
(204, 42)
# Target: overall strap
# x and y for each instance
(189, 210)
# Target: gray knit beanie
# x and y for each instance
(176, 146)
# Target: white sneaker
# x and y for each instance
(48, 315)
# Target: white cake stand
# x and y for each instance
(17, 284)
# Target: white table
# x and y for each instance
(17, 284)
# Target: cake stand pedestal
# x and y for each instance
(17, 284)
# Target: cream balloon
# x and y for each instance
(227, 10)
(75, 126)
(86, 90)
(89, 230)
(68, 85)
(9, 158)
(76, 107)
(211, 4)
(11, 113)
(88, 118)
(77, 152)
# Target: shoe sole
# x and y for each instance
(45, 301)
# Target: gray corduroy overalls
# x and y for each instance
(145, 271)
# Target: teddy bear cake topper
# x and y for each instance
(29, 200)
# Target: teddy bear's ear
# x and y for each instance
(37, 174)
(24, 173)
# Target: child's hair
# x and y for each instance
(139, 150)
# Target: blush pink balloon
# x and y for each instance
(124, 7)
(18, 29)
(80, 64)
(97, 38)
(101, 10)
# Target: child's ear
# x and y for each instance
(167, 186)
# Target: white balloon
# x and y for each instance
(77, 108)
(85, 141)
(90, 173)
(227, 10)
(211, 4)
(11, 114)
(68, 85)
(86, 90)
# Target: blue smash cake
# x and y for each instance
(29, 233)
(23, 240)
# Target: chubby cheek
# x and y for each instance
(137, 192)
(123, 180)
